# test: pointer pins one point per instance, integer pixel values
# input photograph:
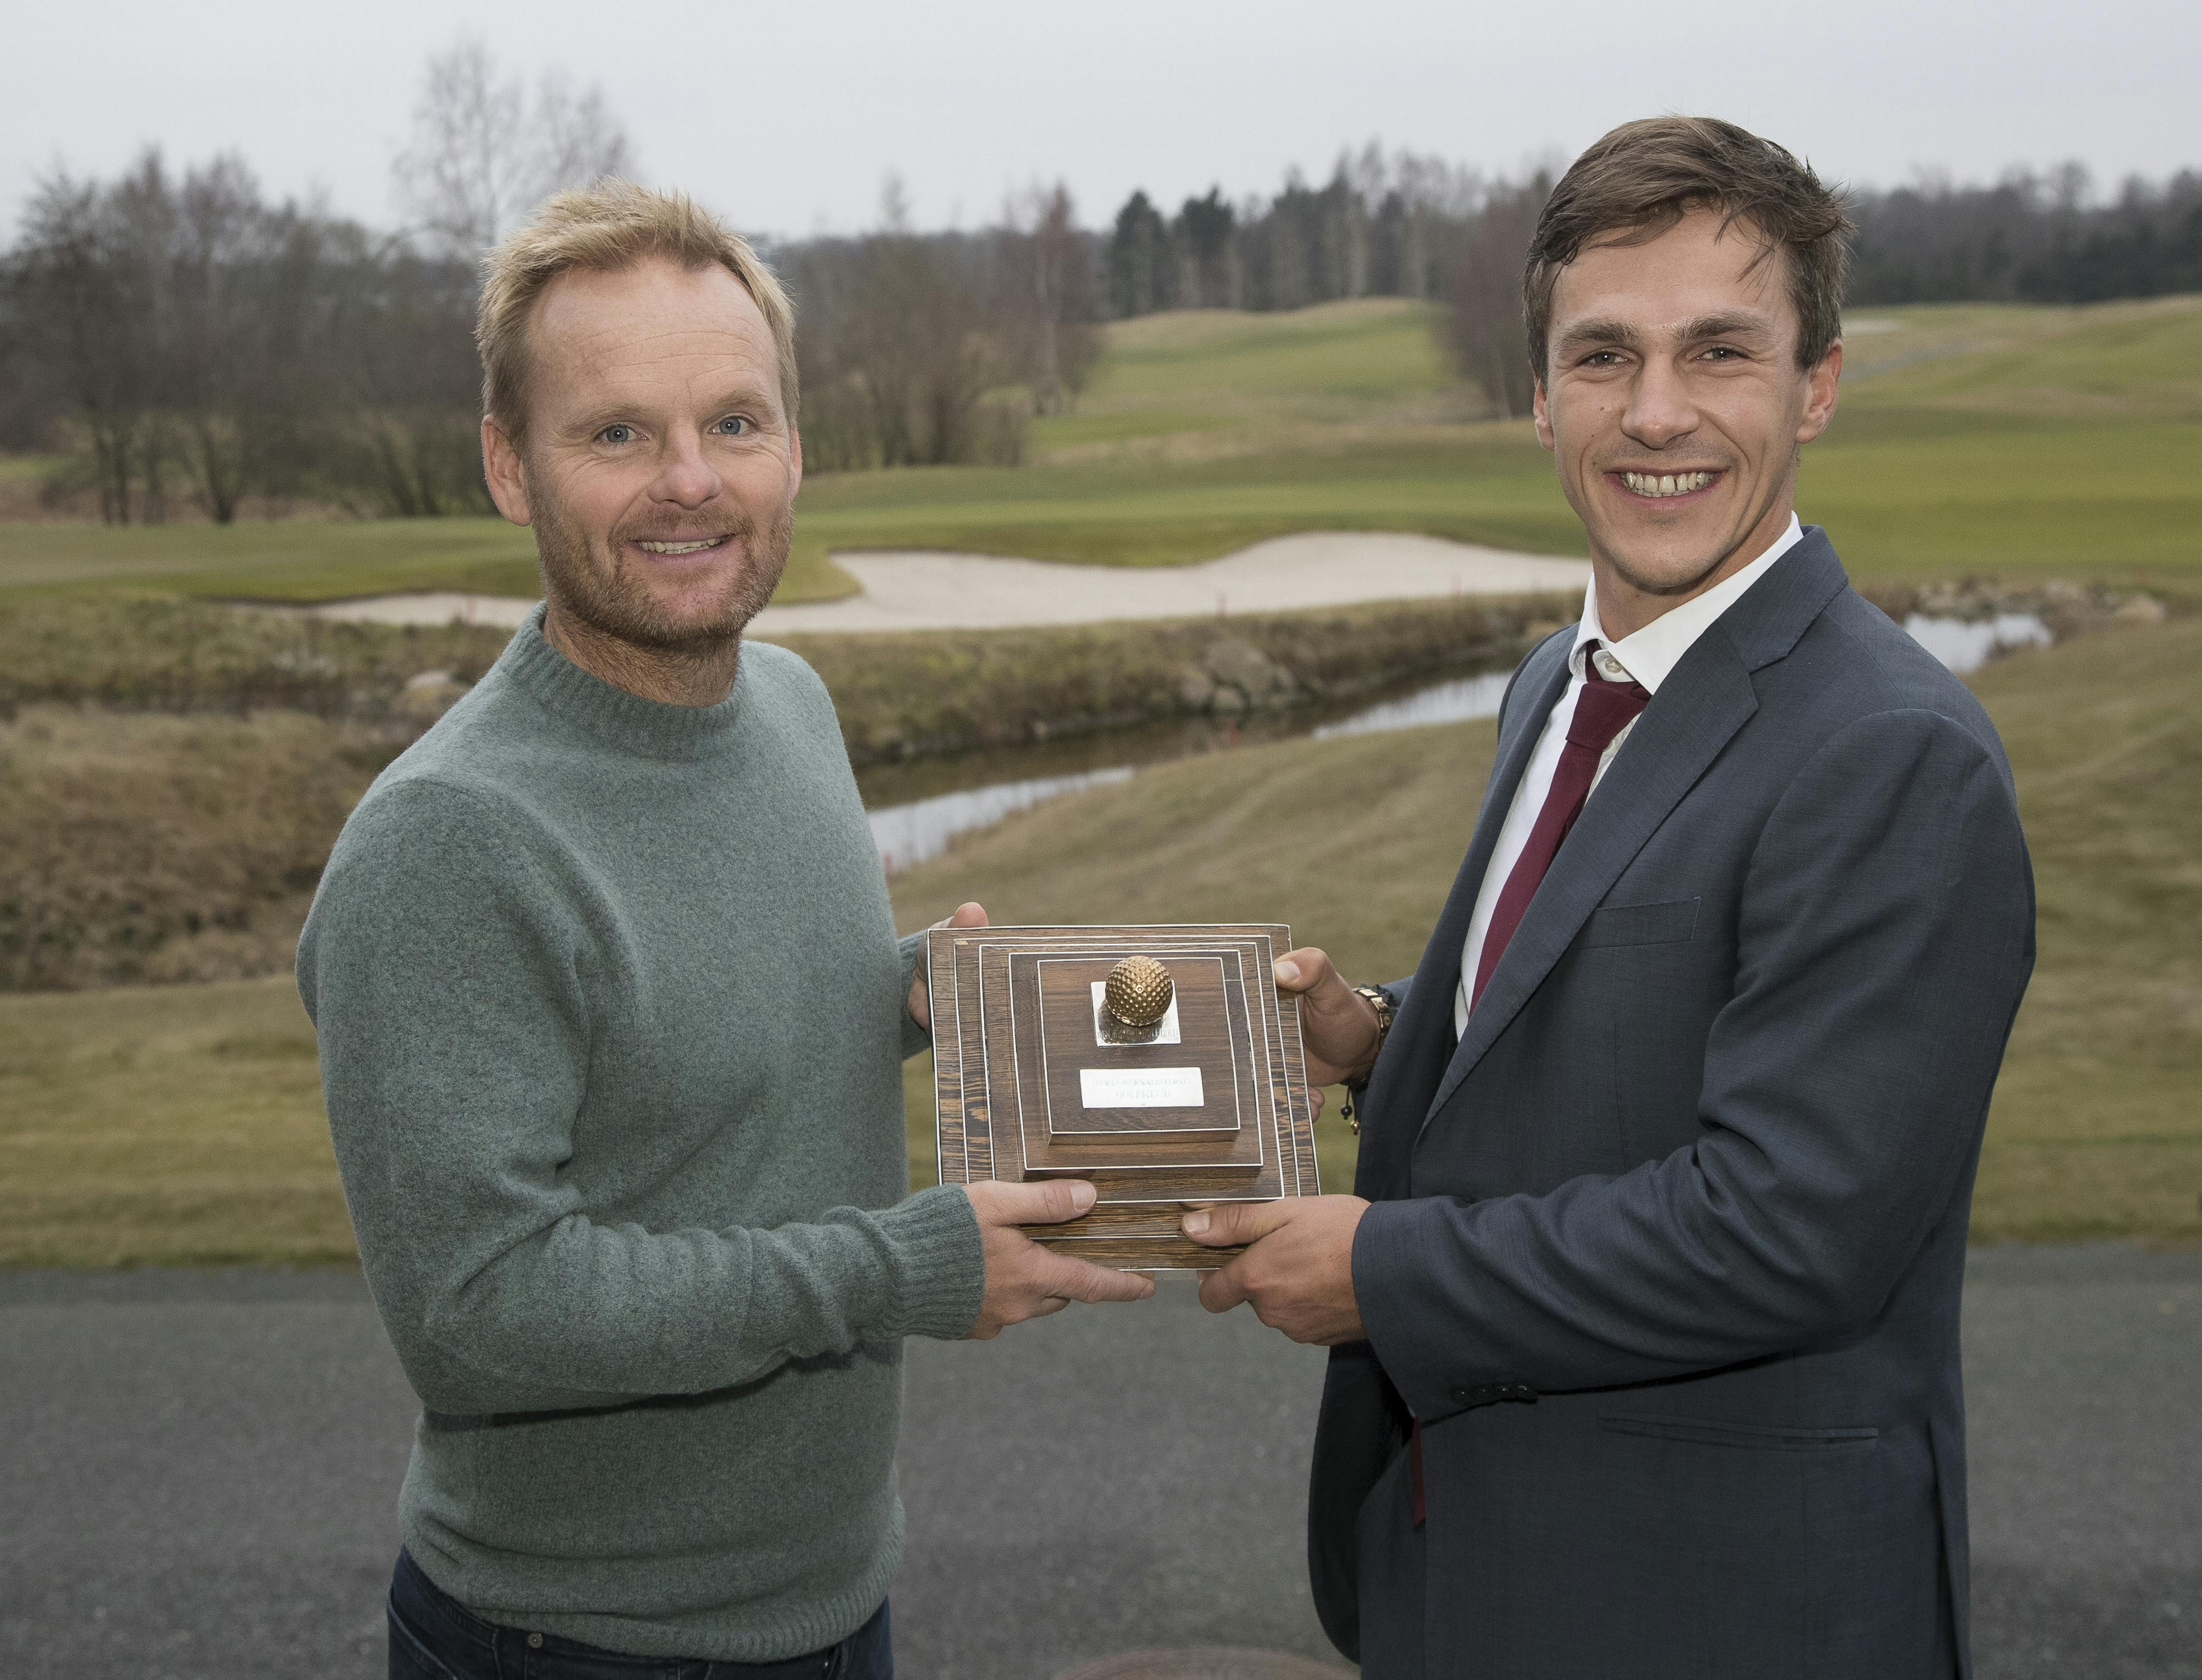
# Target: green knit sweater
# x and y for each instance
(611, 1018)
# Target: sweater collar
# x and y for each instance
(649, 728)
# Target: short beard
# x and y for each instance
(591, 595)
(1644, 586)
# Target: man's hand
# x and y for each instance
(1298, 1271)
(1338, 1025)
(920, 995)
(1024, 1280)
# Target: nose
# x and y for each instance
(1659, 408)
(685, 476)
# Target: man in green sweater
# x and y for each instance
(612, 1017)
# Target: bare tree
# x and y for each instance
(1486, 328)
(902, 357)
(1043, 300)
(186, 335)
(92, 310)
(482, 154)
(577, 139)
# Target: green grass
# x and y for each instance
(1485, 483)
(2129, 359)
(308, 559)
(1374, 361)
(2020, 441)
(182, 1124)
(1971, 439)
(1976, 439)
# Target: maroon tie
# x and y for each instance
(1603, 709)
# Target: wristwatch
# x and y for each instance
(1381, 1001)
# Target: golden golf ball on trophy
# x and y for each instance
(1139, 991)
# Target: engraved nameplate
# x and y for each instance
(1140, 1087)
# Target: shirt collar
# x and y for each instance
(1654, 651)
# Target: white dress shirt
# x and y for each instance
(1648, 657)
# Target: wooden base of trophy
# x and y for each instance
(1037, 1075)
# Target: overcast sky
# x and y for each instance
(786, 117)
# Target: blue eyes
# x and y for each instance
(1612, 358)
(734, 425)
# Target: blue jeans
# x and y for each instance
(433, 1636)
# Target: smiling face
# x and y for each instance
(1674, 405)
(659, 467)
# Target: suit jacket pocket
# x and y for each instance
(1704, 1432)
(1664, 924)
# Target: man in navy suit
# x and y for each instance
(1645, 1310)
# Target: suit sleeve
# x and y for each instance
(1886, 935)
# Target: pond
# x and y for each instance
(918, 809)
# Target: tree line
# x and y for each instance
(1380, 227)
(1416, 227)
(1403, 227)
(924, 349)
(182, 341)
(2030, 238)
(179, 340)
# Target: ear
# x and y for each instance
(1540, 409)
(500, 470)
(795, 456)
(1820, 394)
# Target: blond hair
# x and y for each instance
(606, 227)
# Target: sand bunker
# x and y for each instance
(923, 590)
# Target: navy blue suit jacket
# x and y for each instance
(1665, 1253)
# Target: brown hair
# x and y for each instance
(606, 227)
(1644, 177)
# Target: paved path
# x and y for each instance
(922, 590)
(198, 1469)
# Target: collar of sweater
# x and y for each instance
(650, 728)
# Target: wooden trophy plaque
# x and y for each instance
(1161, 1062)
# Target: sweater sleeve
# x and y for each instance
(911, 948)
(446, 981)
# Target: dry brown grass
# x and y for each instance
(2096, 1127)
(182, 1124)
(944, 691)
(170, 825)
(177, 1125)
(141, 847)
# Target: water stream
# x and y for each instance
(917, 808)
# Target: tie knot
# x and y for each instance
(1603, 711)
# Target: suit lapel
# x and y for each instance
(1422, 1037)
(1707, 698)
